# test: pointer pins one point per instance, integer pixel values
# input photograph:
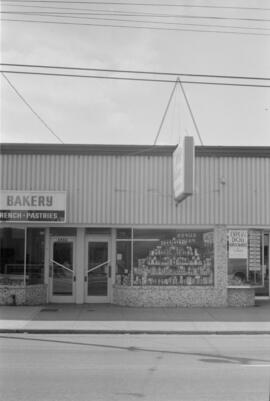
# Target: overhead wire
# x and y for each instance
(185, 16)
(63, 15)
(79, 8)
(135, 27)
(31, 108)
(144, 72)
(131, 4)
(132, 79)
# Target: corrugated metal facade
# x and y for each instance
(130, 190)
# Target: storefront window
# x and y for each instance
(35, 256)
(22, 256)
(123, 263)
(173, 258)
(245, 258)
(168, 257)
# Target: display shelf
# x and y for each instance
(184, 260)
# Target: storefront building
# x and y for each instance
(99, 223)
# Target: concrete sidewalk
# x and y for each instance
(107, 318)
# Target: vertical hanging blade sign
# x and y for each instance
(183, 169)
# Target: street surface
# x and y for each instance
(134, 367)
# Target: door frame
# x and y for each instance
(268, 265)
(96, 298)
(62, 298)
(258, 296)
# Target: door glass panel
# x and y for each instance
(62, 268)
(97, 268)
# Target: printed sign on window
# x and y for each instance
(238, 244)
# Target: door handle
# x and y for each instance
(109, 271)
(50, 270)
(74, 278)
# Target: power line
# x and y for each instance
(65, 15)
(136, 27)
(185, 16)
(132, 79)
(107, 11)
(140, 4)
(135, 71)
(30, 107)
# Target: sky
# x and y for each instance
(103, 111)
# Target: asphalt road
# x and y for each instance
(132, 367)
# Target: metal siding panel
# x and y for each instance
(169, 208)
(138, 189)
(203, 213)
(128, 186)
(259, 190)
(266, 206)
(241, 189)
(117, 195)
(249, 191)
(132, 200)
(14, 174)
(223, 191)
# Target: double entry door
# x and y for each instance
(67, 283)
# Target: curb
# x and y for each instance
(136, 332)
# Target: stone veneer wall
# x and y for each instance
(241, 296)
(183, 295)
(23, 295)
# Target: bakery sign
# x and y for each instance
(33, 206)
(183, 169)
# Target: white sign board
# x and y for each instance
(183, 169)
(33, 206)
(238, 244)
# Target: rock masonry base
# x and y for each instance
(170, 296)
(23, 295)
(241, 297)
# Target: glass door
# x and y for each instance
(62, 271)
(98, 271)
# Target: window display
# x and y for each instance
(166, 257)
(185, 259)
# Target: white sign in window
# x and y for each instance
(238, 244)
